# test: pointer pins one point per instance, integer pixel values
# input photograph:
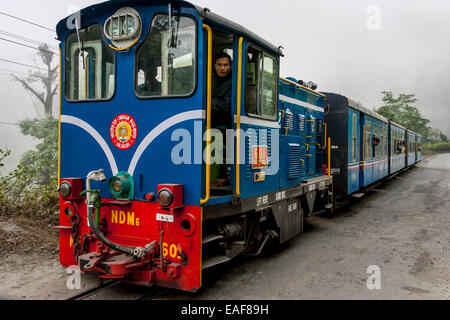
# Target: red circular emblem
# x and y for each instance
(123, 131)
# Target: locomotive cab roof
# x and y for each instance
(204, 13)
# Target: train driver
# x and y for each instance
(151, 86)
(221, 91)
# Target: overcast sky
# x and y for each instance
(357, 48)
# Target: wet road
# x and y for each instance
(401, 228)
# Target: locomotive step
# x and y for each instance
(214, 261)
(211, 238)
(358, 195)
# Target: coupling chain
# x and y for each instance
(75, 221)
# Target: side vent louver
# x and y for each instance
(294, 161)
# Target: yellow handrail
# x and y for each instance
(208, 118)
(123, 49)
(326, 128)
(303, 87)
(59, 122)
(238, 120)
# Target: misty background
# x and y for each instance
(354, 47)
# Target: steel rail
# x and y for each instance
(90, 292)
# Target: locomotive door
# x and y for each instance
(256, 121)
(220, 75)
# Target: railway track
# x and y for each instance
(153, 292)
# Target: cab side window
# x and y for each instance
(261, 84)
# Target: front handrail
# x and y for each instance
(208, 118)
(303, 87)
(238, 121)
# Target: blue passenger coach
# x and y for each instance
(366, 147)
(418, 148)
(398, 159)
(411, 147)
(359, 144)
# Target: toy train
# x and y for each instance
(136, 102)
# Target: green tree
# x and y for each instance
(30, 190)
(394, 107)
(401, 110)
(43, 161)
(47, 87)
(42, 85)
(443, 137)
(3, 154)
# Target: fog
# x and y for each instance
(358, 48)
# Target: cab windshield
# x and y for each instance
(165, 63)
(90, 66)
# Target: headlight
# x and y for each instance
(124, 27)
(131, 25)
(122, 186)
(115, 28)
(165, 197)
(65, 189)
(117, 185)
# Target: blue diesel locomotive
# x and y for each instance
(139, 195)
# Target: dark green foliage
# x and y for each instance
(402, 111)
(3, 154)
(31, 189)
(441, 147)
(43, 161)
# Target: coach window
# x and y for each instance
(354, 137)
(386, 141)
(261, 84)
(165, 62)
(374, 141)
(368, 148)
(90, 66)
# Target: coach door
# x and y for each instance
(353, 151)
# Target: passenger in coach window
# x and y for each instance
(221, 91)
(376, 142)
(151, 86)
(398, 148)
